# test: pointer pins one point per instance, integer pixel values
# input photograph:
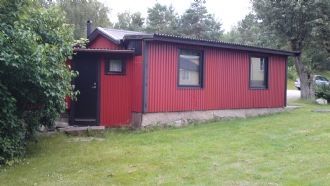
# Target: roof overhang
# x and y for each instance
(102, 51)
(183, 40)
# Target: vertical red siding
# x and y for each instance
(116, 100)
(102, 42)
(120, 95)
(116, 97)
(136, 92)
(225, 85)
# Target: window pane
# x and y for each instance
(258, 72)
(115, 65)
(189, 68)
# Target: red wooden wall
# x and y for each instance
(120, 95)
(137, 84)
(225, 85)
(102, 42)
(115, 98)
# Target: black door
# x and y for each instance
(85, 107)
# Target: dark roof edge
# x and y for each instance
(102, 50)
(137, 37)
(210, 43)
(97, 31)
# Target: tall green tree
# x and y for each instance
(250, 31)
(79, 11)
(162, 19)
(34, 79)
(128, 21)
(322, 30)
(316, 56)
(197, 22)
(295, 22)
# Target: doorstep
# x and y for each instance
(82, 131)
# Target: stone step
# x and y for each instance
(61, 124)
(292, 107)
(84, 131)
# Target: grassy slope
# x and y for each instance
(325, 73)
(290, 148)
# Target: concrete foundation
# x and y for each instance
(178, 119)
(136, 120)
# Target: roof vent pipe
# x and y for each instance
(89, 27)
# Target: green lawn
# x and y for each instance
(291, 148)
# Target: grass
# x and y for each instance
(325, 73)
(291, 85)
(291, 148)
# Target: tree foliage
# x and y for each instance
(34, 78)
(297, 22)
(79, 11)
(318, 50)
(197, 22)
(322, 30)
(250, 31)
(128, 21)
(162, 19)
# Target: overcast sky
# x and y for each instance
(229, 12)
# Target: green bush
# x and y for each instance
(11, 130)
(323, 91)
(34, 78)
(292, 73)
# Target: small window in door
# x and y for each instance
(115, 66)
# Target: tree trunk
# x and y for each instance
(305, 75)
(306, 80)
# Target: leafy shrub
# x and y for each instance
(11, 130)
(292, 73)
(34, 78)
(323, 91)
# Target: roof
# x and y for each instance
(114, 35)
(118, 36)
(210, 43)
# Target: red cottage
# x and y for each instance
(137, 79)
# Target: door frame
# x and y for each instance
(98, 91)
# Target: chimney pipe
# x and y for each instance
(89, 27)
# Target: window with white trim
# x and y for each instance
(115, 66)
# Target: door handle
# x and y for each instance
(94, 85)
